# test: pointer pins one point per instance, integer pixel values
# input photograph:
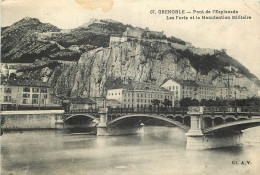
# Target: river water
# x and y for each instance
(155, 151)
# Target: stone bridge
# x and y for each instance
(203, 129)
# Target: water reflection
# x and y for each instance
(157, 150)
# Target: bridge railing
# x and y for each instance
(232, 109)
(147, 110)
(82, 111)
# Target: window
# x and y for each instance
(35, 90)
(7, 98)
(26, 95)
(43, 90)
(26, 89)
(170, 88)
(7, 90)
(45, 96)
(35, 96)
(119, 93)
(25, 101)
(115, 93)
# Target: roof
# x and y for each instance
(188, 82)
(140, 86)
(240, 88)
(26, 83)
(181, 82)
(81, 101)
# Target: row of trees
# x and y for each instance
(166, 103)
(254, 101)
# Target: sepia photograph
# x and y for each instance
(117, 87)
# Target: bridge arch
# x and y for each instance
(218, 120)
(186, 120)
(179, 119)
(237, 125)
(171, 117)
(230, 119)
(81, 115)
(207, 122)
(171, 121)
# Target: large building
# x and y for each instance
(189, 89)
(234, 92)
(139, 95)
(26, 94)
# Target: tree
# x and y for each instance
(195, 102)
(210, 102)
(185, 102)
(156, 102)
(203, 102)
(167, 103)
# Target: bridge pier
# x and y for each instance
(195, 135)
(102, 126)
(196, 140)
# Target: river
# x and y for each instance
(155, 151)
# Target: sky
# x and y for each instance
(241, 38)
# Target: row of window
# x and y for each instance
(140, 95)
(34, 101)
(7, 90)
(35, 90)
(206, 92)
(207, 88)
(35, 96)
(173, 87)
(114, 93)
(189, 87)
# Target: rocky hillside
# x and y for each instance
(29, 39)
(93, 66)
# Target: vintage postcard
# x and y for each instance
(122, 87)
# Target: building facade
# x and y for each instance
(22, 94)
(139, 95)
(234, 92)
(189, 89)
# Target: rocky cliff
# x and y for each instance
(134, 61)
